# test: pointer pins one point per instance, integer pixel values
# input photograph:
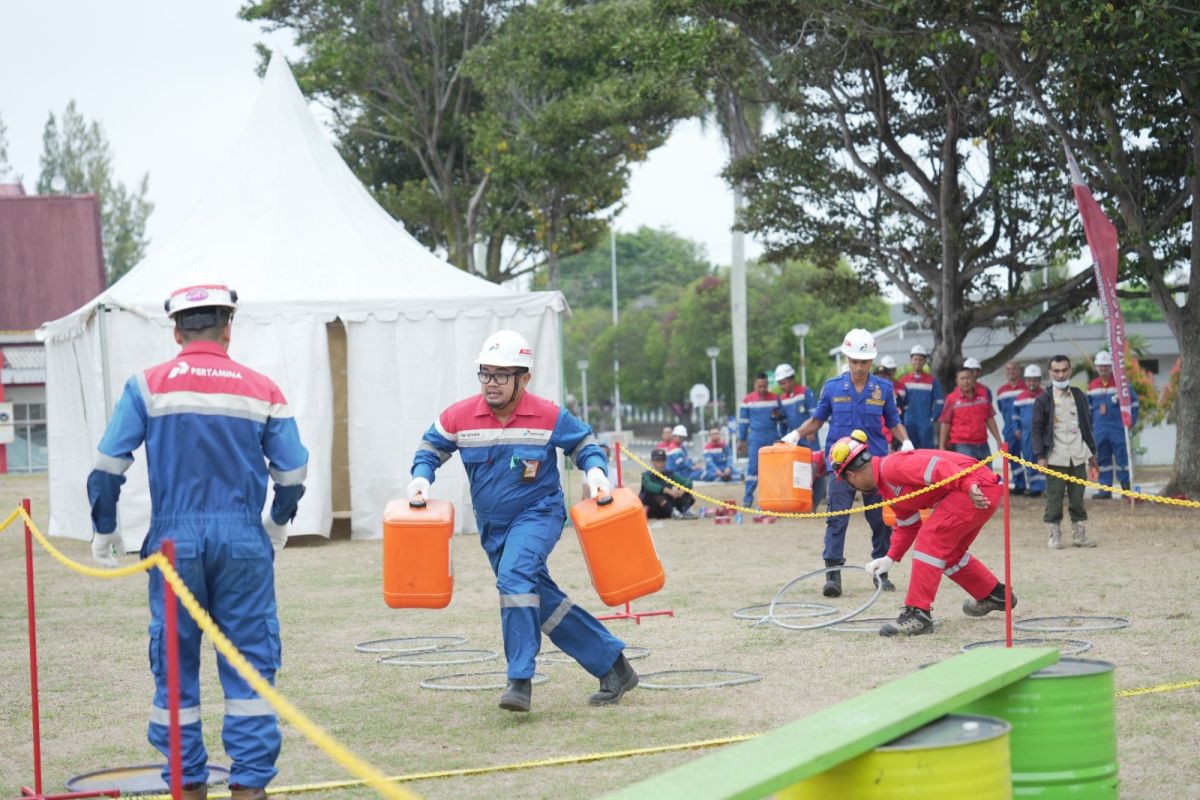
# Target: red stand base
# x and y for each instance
(636, 616)
(26, 792)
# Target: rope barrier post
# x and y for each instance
(33, 659)
(617, 445)
(1007, 551)
(171, 623)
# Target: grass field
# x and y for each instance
(96, 687)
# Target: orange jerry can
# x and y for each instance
(617, 547)
(889, 516)
(418, 562)
(785, 478)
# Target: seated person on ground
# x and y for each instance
(718, 463)
(660, 498)
(679, 460)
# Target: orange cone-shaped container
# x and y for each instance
(889, 516)
(785, 477)
(617, 547)
(418, 564)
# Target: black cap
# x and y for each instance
(657, 452)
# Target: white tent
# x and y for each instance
(286, 223)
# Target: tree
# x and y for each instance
(77, 159)
(6, 172)
(910, 153)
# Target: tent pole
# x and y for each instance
(104, 370)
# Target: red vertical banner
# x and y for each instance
(1102, 241)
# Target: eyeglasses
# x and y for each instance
(498, 378)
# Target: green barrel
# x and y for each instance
(1064, 732)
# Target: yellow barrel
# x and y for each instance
(957, 756)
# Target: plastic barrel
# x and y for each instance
(954, 757)
(1064, 737)
(617, 547)
(418, 558)
(785, 478)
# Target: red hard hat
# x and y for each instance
(849, 452)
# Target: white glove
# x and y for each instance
(879, 565)
(597, 481)
(907, 445)
(792, 438)
(106, 547)
(277, 532)
(418, 489)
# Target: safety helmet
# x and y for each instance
(918, 350)
(1103, 359)
(506, 349)
(784, 371)
(859, 344)
(199, 294)
(887, 362)
(972, 363)
(849, 452)
(679, 430)
(1033, 371)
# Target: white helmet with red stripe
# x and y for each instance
(200, 294)
(506, 349)
(859, 344)
(1103, 359)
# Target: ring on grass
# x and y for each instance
(438, 658)
(410, 644)
(446, 683)
(736, 678)
(1070, 624)
(559, 657)
(825, 623)
(1078, 645)
(816, 610)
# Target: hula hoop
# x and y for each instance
(432, 643)
(559, 657)
(825, 624)
(1080, 645)
(432, 683)
(819, 610)
(1101, 624)
(647, 681)
(458, 657)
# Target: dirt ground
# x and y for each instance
(96, 688)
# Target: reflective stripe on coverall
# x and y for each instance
(1109, 430)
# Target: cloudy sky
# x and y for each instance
(172, 84)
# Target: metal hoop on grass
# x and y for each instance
(1098, 624)
(818, 610)
(438, 658)
(410, 644)
(739, 677)
(559, 657)
(825, 623)
(1079, 645)
(502, 676)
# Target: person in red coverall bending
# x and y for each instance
(939, 545)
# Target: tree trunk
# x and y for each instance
(1186, 479)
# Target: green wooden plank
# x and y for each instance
(822, 740)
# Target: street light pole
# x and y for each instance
(713, 352)
(616, 360)
(583, 367)
(801, 330)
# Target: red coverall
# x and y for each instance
(941, 543)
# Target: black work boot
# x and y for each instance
(518, 695)
(882, 580)
(912, 621)
(833, 580)
(992, 602)
(615, 683)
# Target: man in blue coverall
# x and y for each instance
(862, 401)
(758, 426)
(214, 431)
(920, 394)
(507, 439)
(1104, 402)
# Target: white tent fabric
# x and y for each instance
(287, 224)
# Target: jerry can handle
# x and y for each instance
(416, 503)
(604, 499)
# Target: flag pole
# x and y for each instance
(1129, 458)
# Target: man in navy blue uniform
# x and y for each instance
(214, 431)
(854, 401)
(758, 426)
(508, 439)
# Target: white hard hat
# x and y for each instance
(1033, 371)
(859, 344)
(784, 371)
(918, 350)
(887, 362)
(1103, 359)
(200, 294)
(972, 363)
(506, 349)
(679, 430)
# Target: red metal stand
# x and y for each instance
(1008, 629)
(171, 623)
(36, 791)
(636, 616)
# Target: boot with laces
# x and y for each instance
(992, 602)
(1055, 530)
(1079, 537)
(911, 622)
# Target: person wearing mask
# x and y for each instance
(214, 431)
(508, 438)
(1005, 396)
(1063, 441)
(1108, 426)
(921, 398)
(857, 401)
(967, 418)
(758, 426)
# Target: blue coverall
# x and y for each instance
(1109, 430)
(923, 401)
(1022, 418)
(680, 463)
(1005, 398)
(210, 426)
(846, 410)
(796, 408)
(519, 510)
(758, 426)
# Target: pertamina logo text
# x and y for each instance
(182, 368)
